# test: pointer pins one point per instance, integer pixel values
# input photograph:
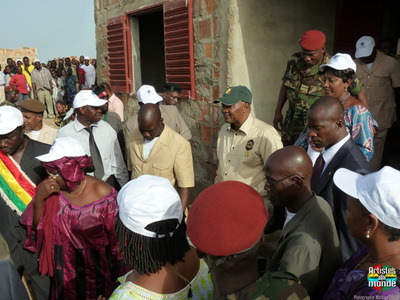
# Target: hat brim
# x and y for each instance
(52, 156)
(364, 52)
(346, 181)
(98, 102)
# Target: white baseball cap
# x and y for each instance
(63, 147)
(146, 200)
(10, 118)
(19, 60)
(86, 57)
(87, 97)
(147, 94)
(36, 60)
(378, 192)
(364, 46)
(340, 61)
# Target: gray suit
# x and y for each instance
(350, 157)
(309, 247)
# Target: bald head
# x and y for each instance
(150, 122)
(148, 112)
(325, 120)
(288, 173)
(291, 160)
(329, 106)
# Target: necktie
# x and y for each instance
(319, 166)
(95, 153)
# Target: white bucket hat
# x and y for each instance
(63, 147)
(378, 192)
(340, 61)
(146, 200)
(10, 118)
(147, 94)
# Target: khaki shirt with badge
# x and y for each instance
(242, 154)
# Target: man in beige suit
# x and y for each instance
(380, 74)
(155, 149)
(35, 128)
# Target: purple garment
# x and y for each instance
(346, 282)
(86, 251)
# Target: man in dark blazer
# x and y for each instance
(327, 130)
(19, 149)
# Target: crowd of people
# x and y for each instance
(97, 207)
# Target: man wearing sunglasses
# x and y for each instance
(309, 244)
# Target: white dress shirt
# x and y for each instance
(107, 143)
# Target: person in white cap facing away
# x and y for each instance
(90, 75)
(43, 88)
(170, 114)
(152, 234)
(20, 173)
(70, 222)
(97, 138)
(373, 217)
(155, 149)
(338, 78)
(380, 74)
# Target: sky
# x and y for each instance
(56, 28)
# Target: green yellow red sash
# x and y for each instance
(16, 188)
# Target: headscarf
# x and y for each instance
(71, 168)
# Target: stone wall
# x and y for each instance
(30, 52)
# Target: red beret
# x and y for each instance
(226, 218)
(10, 88)
(312, 40)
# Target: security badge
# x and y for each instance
(249, 146)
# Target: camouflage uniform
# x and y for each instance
(272, 286)
(303, 88)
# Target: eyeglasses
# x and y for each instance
(270, 184)
(54, 176)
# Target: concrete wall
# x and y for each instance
(264, 36)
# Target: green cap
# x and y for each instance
(235, 94)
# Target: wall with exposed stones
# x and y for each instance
(30, 52)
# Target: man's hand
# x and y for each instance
(278, 120)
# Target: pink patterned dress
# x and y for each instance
(86, 253)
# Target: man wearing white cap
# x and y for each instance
(170, 114)
(43, 88)
(19, 174)
(90, 75)
(380, 74)
(97, 138)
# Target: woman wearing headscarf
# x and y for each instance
(373, 216)
(70, 222)
(152, 234)
(339, 75)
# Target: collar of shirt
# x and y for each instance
(79, 126)
(328, 154)
(246, 126)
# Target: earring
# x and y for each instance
(345, 89)
(368, 232)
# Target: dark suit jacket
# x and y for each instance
(350, 157)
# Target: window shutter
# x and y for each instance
(178, 41)
(119, 45)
